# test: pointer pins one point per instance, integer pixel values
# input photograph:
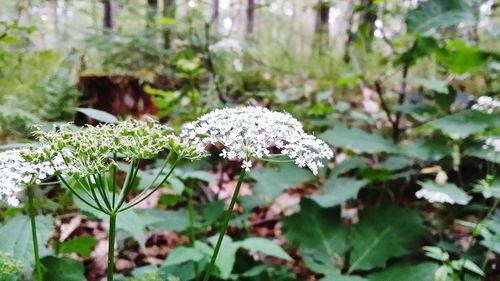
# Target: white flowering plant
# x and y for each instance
(86, 162)
(250, 133)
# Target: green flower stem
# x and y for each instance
(229, 213)
(192, 231)
(111, 246)
(31, 212)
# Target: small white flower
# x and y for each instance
(487, 104)
(434, 196)
(16, 172)
(251, 132)
(247, 165)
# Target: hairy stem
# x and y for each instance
(31, 212)
(227, 218)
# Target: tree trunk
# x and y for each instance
(250, 16)
(168, 12)
(151, 12)
(322, 18)
(215, 11)
(108, 14)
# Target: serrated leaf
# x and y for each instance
(271, 182)
(264, 246)
(438, 14)
(99, 115)
(418, 272)
(338, 190)
(63, 269)
(81, 245)
(383, 233)
(318, 234)
(357, 140)
(454, 192)
(16, 237)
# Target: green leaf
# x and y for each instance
(99, 115)
(418, 272)
(481, 152)
(340, 277)
(63, 269)
(165, 21)
(348, 165)
(271, 182)
(383, 233)
(200, 175)
(16, 237)
(464, 123)
(213, 211)
(338, 190)
(426, 150)
(318, 234)
(456, 194)
(438, 14)
(181, 255)
(265, 246)
(81, 245)
(357, 140)
(227, 255)
(172, 220)
(439, 86)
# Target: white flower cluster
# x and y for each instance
(227, 45)
(434, 196)
(17, 172)
(90, 150)
(251, 132)
(487, 104)
(494, 143)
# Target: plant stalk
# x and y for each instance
(31, 212)
(111, 246)
(227, 218)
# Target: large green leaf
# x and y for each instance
(357, 140)
(383, 233)
(318, 233)
(81, 245)
(172, 220)
(464, 123)
(271, 182)
(426, 150)
(338, 190)
(265, 246)
(182, 255)
(418, 272)
(16, 237)
(438, 14)
(340, 277)
(457, 195)
(63, 269)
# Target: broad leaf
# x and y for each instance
(182, 255)
(439, 86)
(81, 245)
(357, 140)
(464, 123)
(438, 14)
(383, 233)
(172, 220)
(318, 233)
(338, 190)
(426, 150)
(454, 192)
(418, 272)
(271, 182)
(227, 255)
(16, 237)
(264, 246)
(99, 115)
(63, 269)
(340, 277)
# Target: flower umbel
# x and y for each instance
(487, 104)
(251, 132)
(17, 172)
